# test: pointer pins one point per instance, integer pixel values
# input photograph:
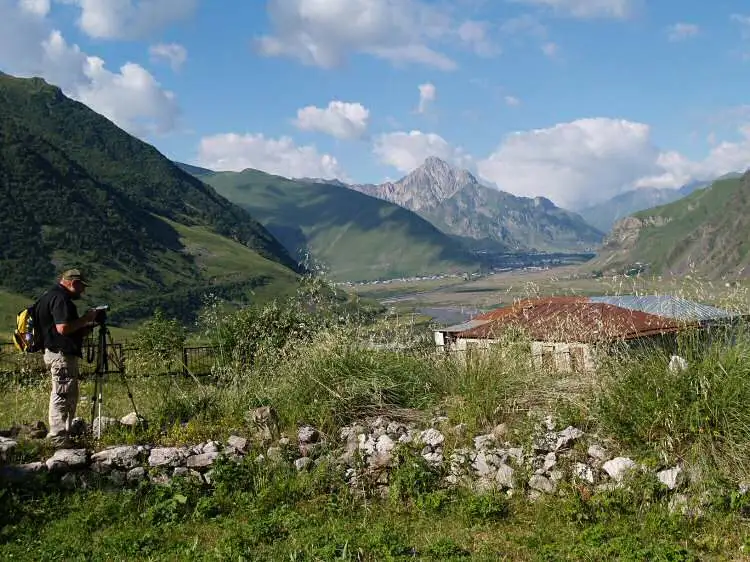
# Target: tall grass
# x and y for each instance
(698, 417)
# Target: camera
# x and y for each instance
(101, 313)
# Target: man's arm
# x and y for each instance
(65, 319)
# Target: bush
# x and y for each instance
(699, 415)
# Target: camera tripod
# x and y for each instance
(104, 339)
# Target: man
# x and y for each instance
(63, 332)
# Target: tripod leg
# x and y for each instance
(121, 370)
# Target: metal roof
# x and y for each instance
(463, 326)
(667, 306)
(573, 320)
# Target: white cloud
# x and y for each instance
(427, 93)
(326, 33)
(681, 31)
(132, 97)
(233, 152)
(616, 9)
(342, 120)
(550, 49)
(476, 34)
(406, 151)
(572, 163)
(173, 53)
(129, 19)
(512, 101)
(36, 7)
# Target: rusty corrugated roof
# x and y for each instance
(572, 319)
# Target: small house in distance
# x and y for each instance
(572, 333)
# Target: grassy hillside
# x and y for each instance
(79, 191)
(706, 232)
(356, 236)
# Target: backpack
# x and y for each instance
(28, 336)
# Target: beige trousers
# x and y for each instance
(63, 399)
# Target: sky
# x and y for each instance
(574, 100)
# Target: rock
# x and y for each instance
(133, 420)
(118, 477)
(556, 476)
(541, 484)
(266, 422)
(307, 434)
(567, 436)
(303, 463)
(432, 437)
(384, 444)
(21, 472)
(395, 429)
(433, 458)
(545, 443)
(408, 437)
(210, 447)
(482, 465)
(744, 487)
(672, 478)
(500, 431)
(366, 444)
(65, 459)
(238, 443)
(504, 476)
(203, 460)
(618, 468)
(584, 472)
(516, 454)
(677, 364)
(100, 425)
(548, 423)
(598, 453)
(284, 442)
(34, 430)
(125, 457)
(7, 445)
(136, 474)
(550, 460)
(483, 442)
(167, 456)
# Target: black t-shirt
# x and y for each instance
(57, 307)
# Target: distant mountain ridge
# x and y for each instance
(457, 203)
(705, 233)
(604, 215)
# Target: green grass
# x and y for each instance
(312, 369)
(355, 236)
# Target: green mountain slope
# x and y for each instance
(707, 232)
(77, 190)
(357, 237)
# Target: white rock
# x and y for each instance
(119, 457)
(202, 461)
(482, 466)
(211, 447)
(302, 463)
(432, 437)
(482, 442)
(549, 462)
(598, 453)
(567, 436)
(67, 458)
(435, 459)
(504, 476)
(584, 472)
(548, 423)
(239, 443)
(167, 456)
(516, 453)
(671, 478)
(618, 467)
(307, 434)
(677, 364)
(541, 484)
(384, 444)
(366, 444)
(136, 474)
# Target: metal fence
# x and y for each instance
(196, 361)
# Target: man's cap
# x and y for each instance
(74, 275)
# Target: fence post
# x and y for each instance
(184, 361)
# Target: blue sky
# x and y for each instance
(576, 100)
